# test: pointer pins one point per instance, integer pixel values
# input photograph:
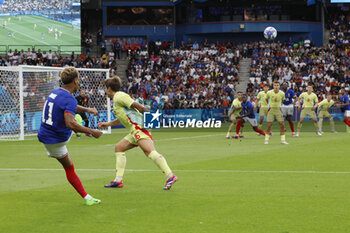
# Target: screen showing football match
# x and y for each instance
(40, 24)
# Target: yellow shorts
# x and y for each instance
(263, 111)
(233, 117)
(135, 135)
(307, 111)
(273, 113)
(324, 114)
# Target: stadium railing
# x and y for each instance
(3, 49)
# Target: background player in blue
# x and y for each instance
(57, 125)
(287, 107)
(247, 114)
(345, 103)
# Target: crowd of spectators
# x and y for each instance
(298, 63)
(37, 85)
(194, 75)
(53, 58)
(339, 26)
(34, 5)
(205, 74)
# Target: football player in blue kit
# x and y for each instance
(287, 107)
(248, 114)
(57, 125)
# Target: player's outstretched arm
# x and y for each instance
(141, 108)
(73, 125)
(339, 104)
(256, 103)
(104, 125)
(248, 113)
(88, 110)
(342, 105)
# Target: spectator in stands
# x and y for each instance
(103, 47)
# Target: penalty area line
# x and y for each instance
(187, 171)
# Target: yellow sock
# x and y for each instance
(230, 129)
(283, 137)
(320, 121)
(266, 137)
(299, 126)
(331, 121)
(160, 161)
(316, 126)
(120, 165)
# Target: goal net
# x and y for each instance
(23, 92)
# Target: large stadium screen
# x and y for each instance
(40, 24)
(134, 15)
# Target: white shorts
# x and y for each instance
(347, 113)
(57, 150)
(252, 121)
(287, 110)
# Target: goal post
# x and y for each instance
(24, 89)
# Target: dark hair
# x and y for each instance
(266, 85)
(114, 83)
(68, 75)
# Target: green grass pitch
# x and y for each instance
(224, 185)
(23, 34)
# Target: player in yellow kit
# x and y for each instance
(308, 108)
(262, 103)
(323, 108)
(234, 112)
(129, 114)
(275, 98)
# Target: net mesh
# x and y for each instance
(9, 105)
(37, 84)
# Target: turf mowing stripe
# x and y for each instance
(180, 138)
(193, 171)
(173, 139)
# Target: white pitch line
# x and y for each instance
(189, 171)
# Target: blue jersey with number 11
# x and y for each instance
(53, 128)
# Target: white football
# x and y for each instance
(270, 33)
